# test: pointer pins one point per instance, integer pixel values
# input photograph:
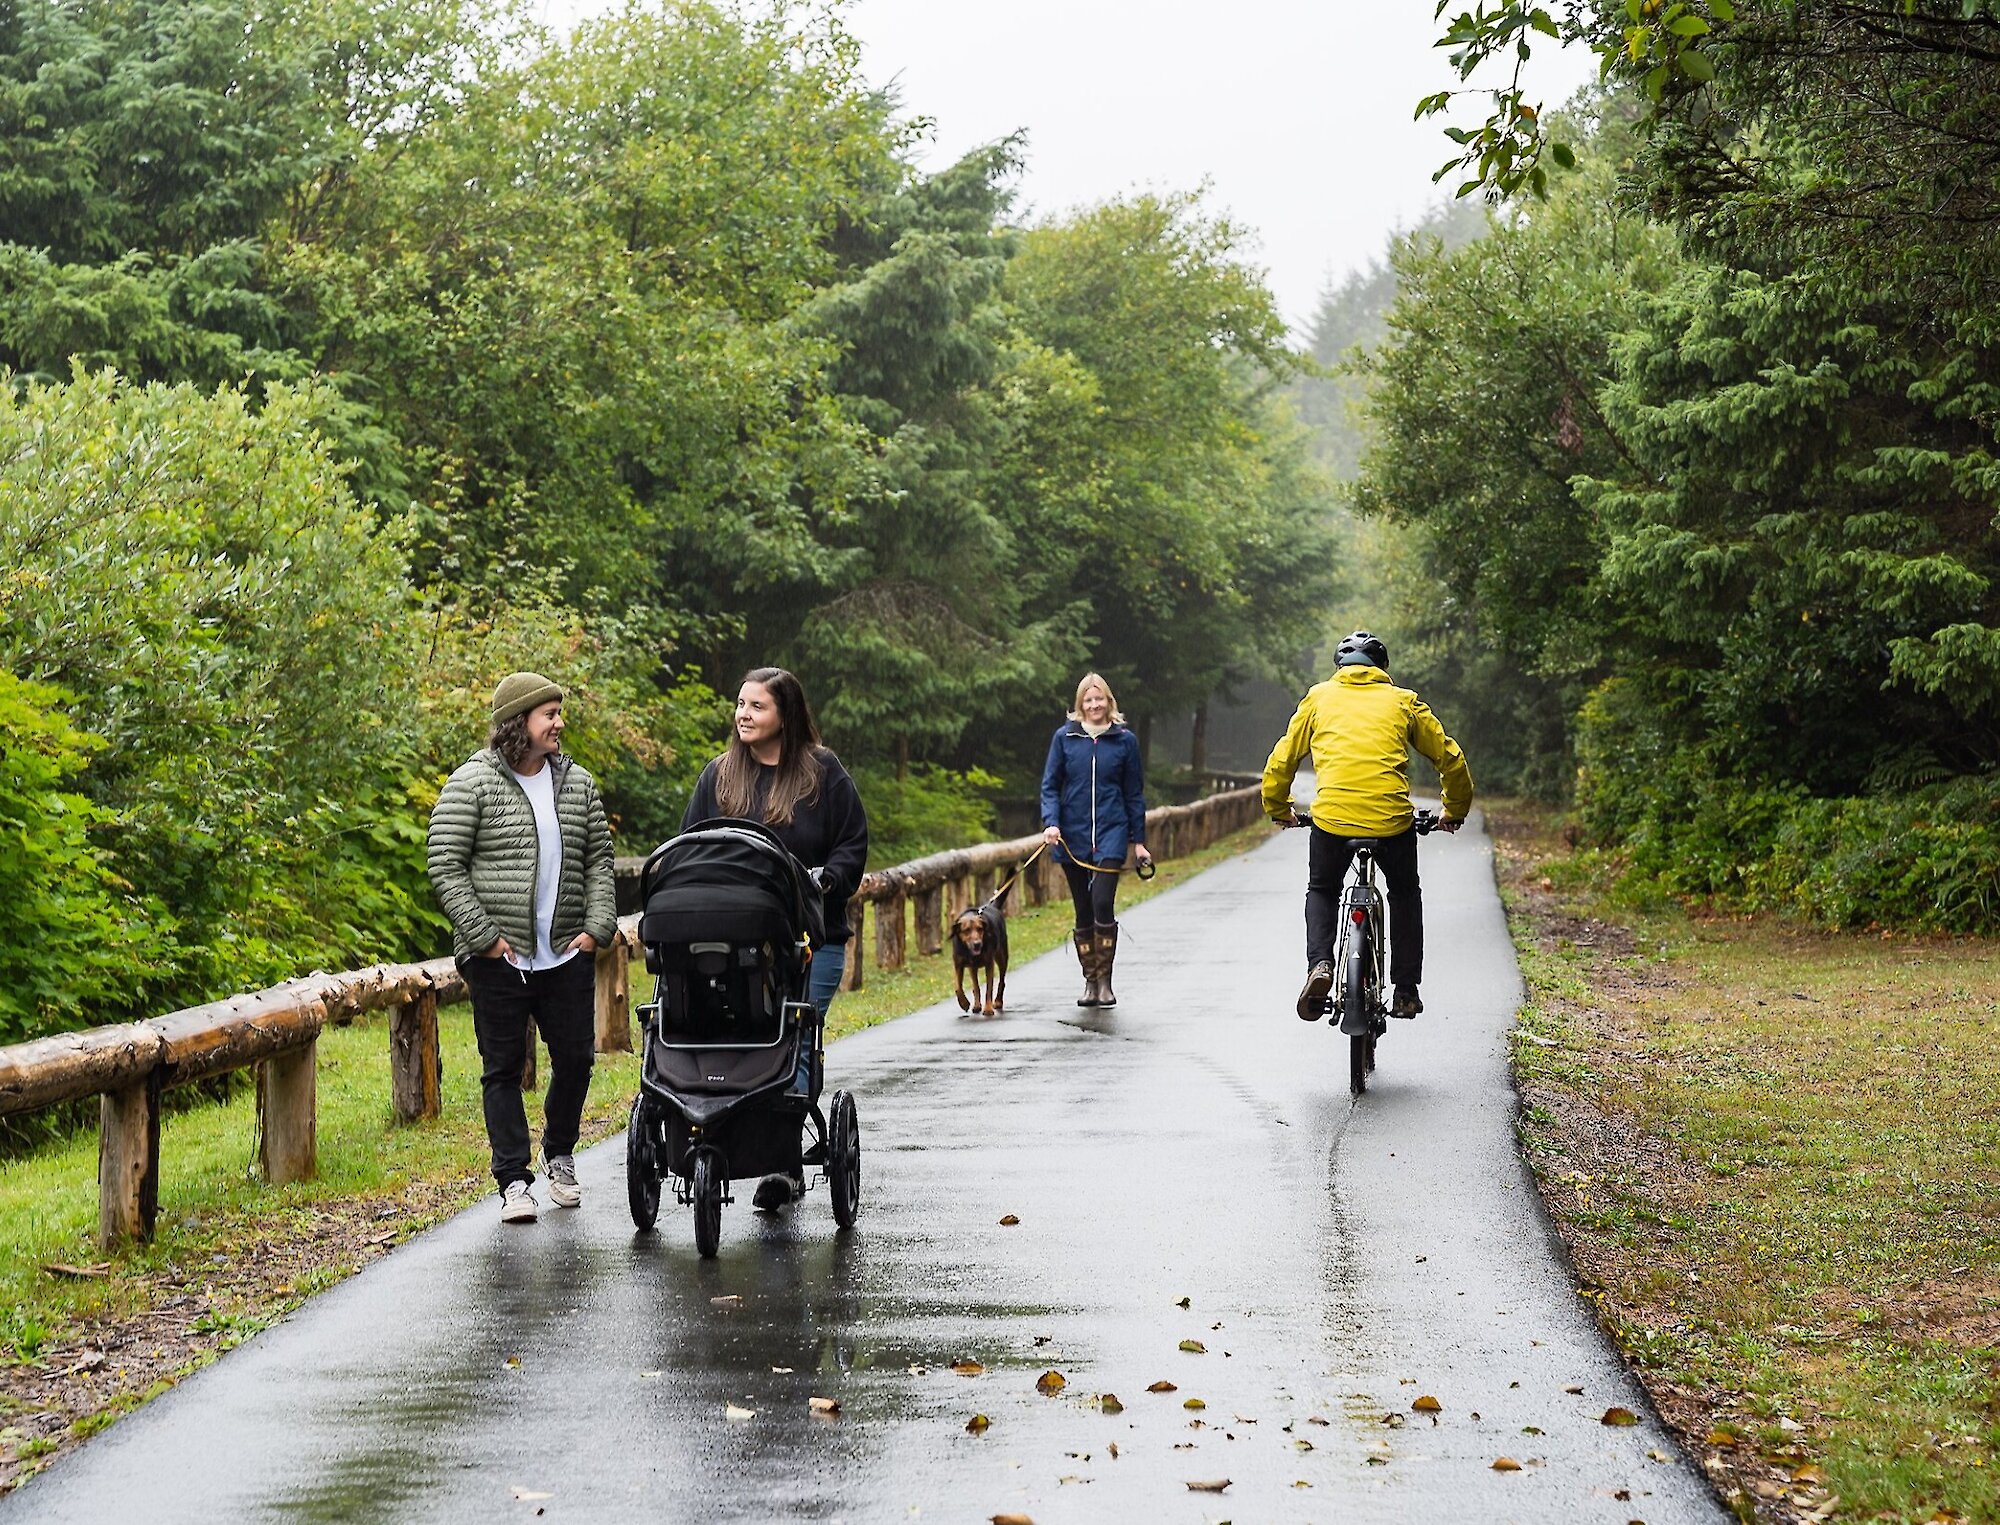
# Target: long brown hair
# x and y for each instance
(797, 780)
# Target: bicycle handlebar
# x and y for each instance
(1427, 821)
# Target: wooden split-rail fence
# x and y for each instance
(129, 1066)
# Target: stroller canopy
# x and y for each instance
(727, 880)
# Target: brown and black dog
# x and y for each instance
(979, 943)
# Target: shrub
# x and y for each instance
(928, 811)
(75, 940)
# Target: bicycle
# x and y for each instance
(1356, 997)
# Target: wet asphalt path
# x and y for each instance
(1338, 1261)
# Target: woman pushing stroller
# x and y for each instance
(776, 771)
(1093, 815)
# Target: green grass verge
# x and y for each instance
(232, 1254)
(1776, 1155)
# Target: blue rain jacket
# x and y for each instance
(1094, 789)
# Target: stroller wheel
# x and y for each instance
(642, 1171)
(705, 1189)
(843, 1159)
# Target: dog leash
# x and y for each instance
(1001, 894)
(1144, 870)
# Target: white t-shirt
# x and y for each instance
(541, 791)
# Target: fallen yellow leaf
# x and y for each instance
(1426, 1405)
(1194, 1347)
(1110, 1404)
(1193, 1403)
(1051, 1382)
(1619, 1416)
(967, 1368)
(978, 1424)
(1162, 1387)
(1009, 1221)
(1506, 1464)
(1012, 1519)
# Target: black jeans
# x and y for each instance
(1396, 862)
(562, 1002)
(1094, 894)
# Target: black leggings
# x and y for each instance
(1093, 893)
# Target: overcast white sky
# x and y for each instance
(1295, 112)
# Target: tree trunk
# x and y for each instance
(1198, 746)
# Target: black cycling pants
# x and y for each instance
(1396, 864)
(1094, 894)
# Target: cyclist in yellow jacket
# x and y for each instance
(1358, 728)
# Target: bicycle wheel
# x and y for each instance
(1358, 987)
(1362, 997)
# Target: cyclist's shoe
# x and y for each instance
(1405, 1002)
(1312, 999)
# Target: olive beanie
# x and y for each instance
(520, 692)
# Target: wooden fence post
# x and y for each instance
(128, 1163)
(287, 1114)
(416, 1062)
(528, 1078)
(1054, 882)
(614, 998)
(889, 915)
(851, 975)
(982, 886)
(929, 905)
(958, 895)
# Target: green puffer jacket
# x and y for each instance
(483, 850)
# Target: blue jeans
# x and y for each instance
(822, 981)
(828, 965)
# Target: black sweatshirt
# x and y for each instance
(828, 831)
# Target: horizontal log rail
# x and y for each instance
(276, 1031)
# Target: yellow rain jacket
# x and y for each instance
(1358, 728)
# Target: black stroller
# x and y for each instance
(732, 1052)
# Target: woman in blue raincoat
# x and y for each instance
(1094, 815)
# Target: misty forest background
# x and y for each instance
(363, 352)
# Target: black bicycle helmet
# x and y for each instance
(1362, 650)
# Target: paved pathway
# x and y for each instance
(1188, 1167)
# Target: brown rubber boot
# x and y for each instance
(1086, 957)
(1107, 955)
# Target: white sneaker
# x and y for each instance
(560, 1172)
(517, 1204)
